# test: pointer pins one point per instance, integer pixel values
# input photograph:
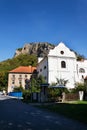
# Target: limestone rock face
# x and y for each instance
(40, 49)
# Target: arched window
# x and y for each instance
(81, 70)
(63, 64)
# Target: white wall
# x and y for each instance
(54, 70)
(42, 68)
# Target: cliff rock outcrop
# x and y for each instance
(40, 49)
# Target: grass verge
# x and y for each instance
(76, 110)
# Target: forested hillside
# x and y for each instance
(21, 60)
(6, 66)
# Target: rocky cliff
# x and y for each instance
(40, 49)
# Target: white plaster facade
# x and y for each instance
(61, 63)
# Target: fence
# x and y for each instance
(71, 96)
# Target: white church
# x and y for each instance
(61, 63)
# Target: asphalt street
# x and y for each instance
(16, 115)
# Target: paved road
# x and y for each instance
(15, 115)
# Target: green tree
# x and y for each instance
(80, 87)
(35, 83)
(85, 83)
(3, 80)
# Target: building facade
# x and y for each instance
(18, 76)
(61, 63)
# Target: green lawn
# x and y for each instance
(76, 110)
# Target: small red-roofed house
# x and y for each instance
(18, 76)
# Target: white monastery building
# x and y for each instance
(61, 63)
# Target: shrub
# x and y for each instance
(18, 89)
(80, 87)
(55, 92)
(26, 95)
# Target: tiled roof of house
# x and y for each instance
(23, 69)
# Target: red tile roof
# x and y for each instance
(23, 69)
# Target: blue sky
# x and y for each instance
(23, 21)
